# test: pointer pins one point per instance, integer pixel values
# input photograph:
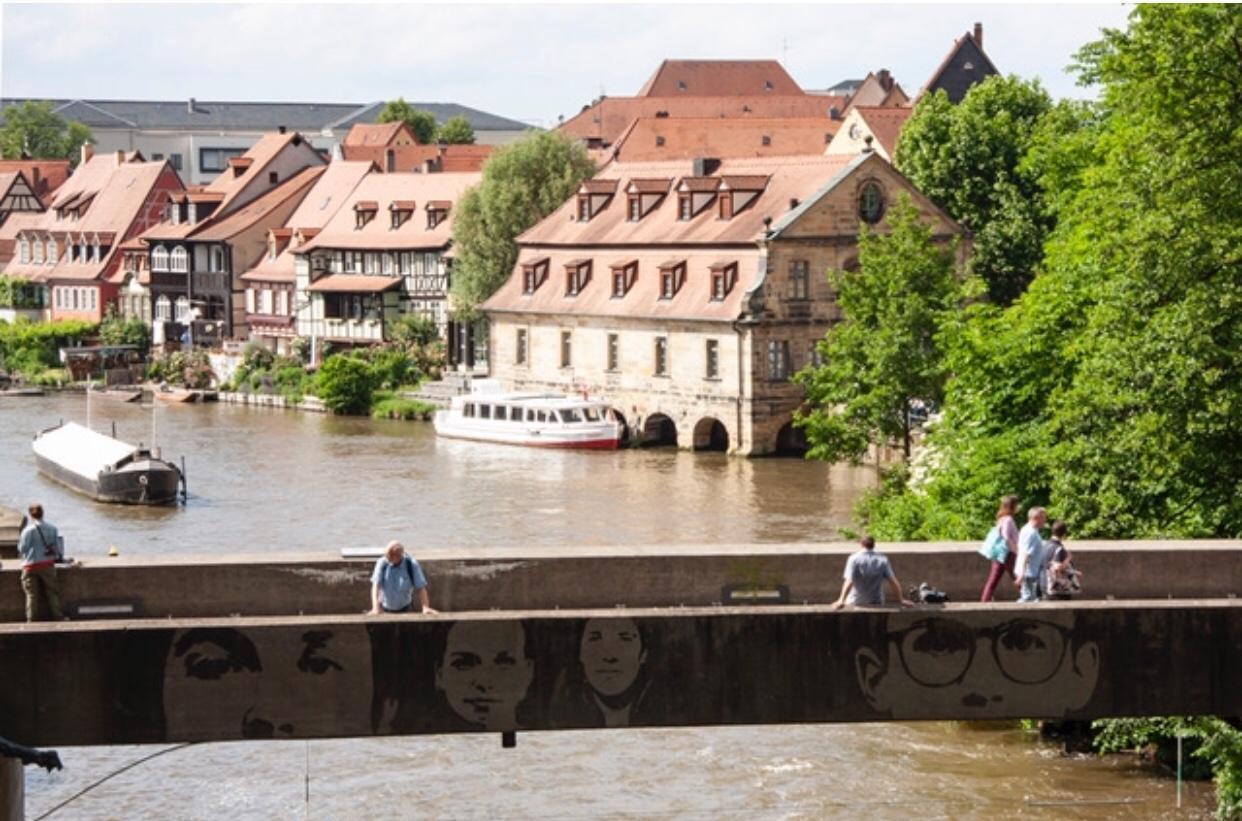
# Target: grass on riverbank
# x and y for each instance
(392, 405)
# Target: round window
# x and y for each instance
(871, 203)
(855, 132)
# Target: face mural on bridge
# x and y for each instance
(269, 683)
(609, 680)
(993, 665)
(485, 672)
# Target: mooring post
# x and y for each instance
(508, 739)
(12, 789)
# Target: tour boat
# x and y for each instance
(105, 468)
(532, 419)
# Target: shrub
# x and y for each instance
(115, 330)
(411, 330)
(393, 407)
(391, 367)
(345, 384)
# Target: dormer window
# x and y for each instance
(724, 277)
(624, 274)
(738, 192)
(52, 251)
(364, 212)
(401, 211)
(23, 250)
(634, 209)
(38, 252)
(672, 277)
(437, 212)
(593, 197)
(533, 274)
(643, 196)
(694, 195)
(577, 275)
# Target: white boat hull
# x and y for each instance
(599, 436)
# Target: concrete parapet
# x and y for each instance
(222, 679)
(545, 578)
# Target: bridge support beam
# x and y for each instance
(348, 676)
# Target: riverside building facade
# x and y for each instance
(686, 293)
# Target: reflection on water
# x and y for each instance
(264, 479)
(267, 479)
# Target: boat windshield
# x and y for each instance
(570, 415)
(591, 414)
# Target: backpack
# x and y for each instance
(407, 563)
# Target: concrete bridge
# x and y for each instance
(556, 639)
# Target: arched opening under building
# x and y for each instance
(791, 441)
(711, 434)
(659, 430)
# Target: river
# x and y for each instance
(264, 479)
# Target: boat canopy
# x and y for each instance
(81, 450)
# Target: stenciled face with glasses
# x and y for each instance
(996, 665)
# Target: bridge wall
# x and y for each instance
(547, 578)
(192, 680)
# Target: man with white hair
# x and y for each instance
(1031, 558)
(394, 582)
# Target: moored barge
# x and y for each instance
(105, 468)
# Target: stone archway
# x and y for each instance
(791, 441)
(659, 430)
(711, 434)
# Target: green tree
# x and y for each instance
(422, 123)
(116, 330)
(33, 129)
(522, 183)
(455, 131)
(884, 352)
(1109, 391)
(411, 330)
(345, 384)
(968, 159)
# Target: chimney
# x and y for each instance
(886, 79)
(88, 151)
(119, 158)
(281, 129)
(189, 107)
(337, 154)
(979, 35)
(793, 203)
(705, 166)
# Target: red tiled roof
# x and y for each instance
(607, 119)
(650, 186)
(885, 124)
(673, 138)
(719, 78)
(699, 183)
(439, 205)
(366, 205)
(598, 186)
(403, 205)
(44, 176)
(746, 182)
(464, 158)
(374, 134)
(354, 284)
(260, 207)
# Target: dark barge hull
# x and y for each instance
(142, 482)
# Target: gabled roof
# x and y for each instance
(9, 179)
(44, 176)
(879, 88)
(252, 165)
(378, 234)
(719, 78)
(652, 138)
(375, 134)
(885, 124)
(256, 209)
(216, 115)
(965, 65)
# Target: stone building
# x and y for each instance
(686, 293)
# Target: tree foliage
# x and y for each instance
(117, 330)
(969, 159)
(884, 353)
(32, 129)
(422, 123)
(1109, 391)
(345, 384)
(522, 183)
(455, 131)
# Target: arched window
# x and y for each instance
(182, 309)
(179, 261)
(159, 258)
(162, 306)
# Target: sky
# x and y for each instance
(529, 62)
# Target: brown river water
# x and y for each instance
(263, 480)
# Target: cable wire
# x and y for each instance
(110, 776)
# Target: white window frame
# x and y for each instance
(179, 261)
(159, 259)
(163, 308)
(181, 309)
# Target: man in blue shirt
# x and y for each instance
(39, 548)
(395, 580)
(865, 574)
(1032, 558)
